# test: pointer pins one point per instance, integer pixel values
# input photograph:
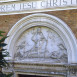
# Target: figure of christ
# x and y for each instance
(40, 43)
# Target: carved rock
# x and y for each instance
(41, 43)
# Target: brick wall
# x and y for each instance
(68, 16)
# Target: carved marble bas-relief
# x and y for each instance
(40, 43)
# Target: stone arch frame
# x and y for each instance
(46, 20)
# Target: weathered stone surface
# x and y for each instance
(40, 49)
(41, 44)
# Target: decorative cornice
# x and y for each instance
(45, 69)
(30, 6)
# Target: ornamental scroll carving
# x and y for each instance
(41, 43)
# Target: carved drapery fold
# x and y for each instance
(41, 43)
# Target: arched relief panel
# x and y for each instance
(42, 37)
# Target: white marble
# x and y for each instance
(43, 20)
(41, 43)
(18, 7)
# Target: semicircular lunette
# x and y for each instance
(41, 44)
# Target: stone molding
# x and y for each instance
(56, 70)
(46, 20)
(30, 6)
